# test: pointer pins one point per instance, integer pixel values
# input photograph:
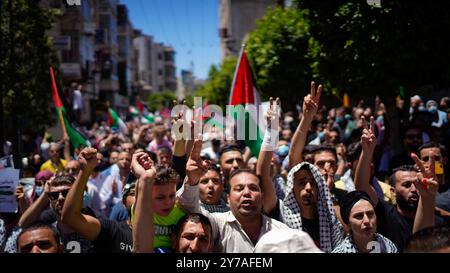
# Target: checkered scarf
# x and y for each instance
(221, 207)
(380, 245)
(331, 231)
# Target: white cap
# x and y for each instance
(286, 240)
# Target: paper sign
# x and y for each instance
(9, 179)
(7, 162)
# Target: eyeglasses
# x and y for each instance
(427, 158)
(54, 195)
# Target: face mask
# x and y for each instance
(432, 109)
(421, 108)
(86, 199)
(339, 119)
(380, 118)
(39, 190)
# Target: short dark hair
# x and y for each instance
(195, 218)
(403, 168)
(166, 175)
(62, 179)
(239, 171)
(309, 149)
(432, 144)
(228, 147)
(354, 151)
(216, 168)
(325, 148)
(40, 225)
(429, 239)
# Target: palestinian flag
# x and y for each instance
(242, 97)
(148, 118)
(114, 121)
(133, 111)
(140, 106)
(76, 138)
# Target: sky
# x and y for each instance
(189, 26)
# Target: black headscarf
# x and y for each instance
(349, 200)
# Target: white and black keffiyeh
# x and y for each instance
(221, 207)
(380, 245)
(331, 231)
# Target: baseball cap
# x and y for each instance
(45, 174)
(286, 240)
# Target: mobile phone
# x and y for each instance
(438, 168)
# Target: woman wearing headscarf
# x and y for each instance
(357, 211)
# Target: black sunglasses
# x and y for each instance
(427, 158)
(55, 194)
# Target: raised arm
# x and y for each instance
(143, 229)
(362, 175)
(195, 168)
(310, 106)
(427, 186)
(265, 157)
(32, 214)
(87, 226)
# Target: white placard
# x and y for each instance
(9, 179)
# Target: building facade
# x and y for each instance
(236, 19)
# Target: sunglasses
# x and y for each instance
(54, 195)
(427, 158)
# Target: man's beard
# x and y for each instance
(405, 205)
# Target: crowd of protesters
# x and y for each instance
(331, 181)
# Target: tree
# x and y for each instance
(216, 89)
(366, 50)
(159, 101)
(26, 55)
(279, 52)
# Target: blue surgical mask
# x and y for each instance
(339, 119)
(38, 190)
(86, 199)
(432, 109)
(380, 118)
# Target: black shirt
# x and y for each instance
(312, 228)
(114, 237)
(392, 224)
(396, 227)
(72, 241)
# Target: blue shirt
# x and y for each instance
(118, 213)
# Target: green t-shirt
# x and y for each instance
(164, 226)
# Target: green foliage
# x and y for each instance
(216, 89)
(26, 55)
(159, 101)
(279, 52)
(367, 50)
